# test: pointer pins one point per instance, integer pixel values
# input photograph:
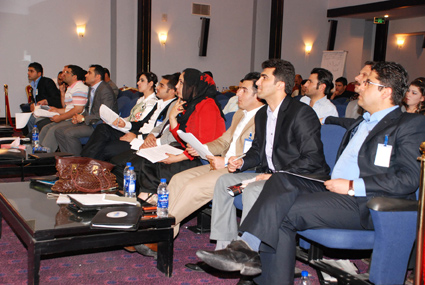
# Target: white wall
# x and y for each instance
(411, 55)
(229, 44)
(304, 22)
(45, 31)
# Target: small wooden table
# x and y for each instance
(47, 228)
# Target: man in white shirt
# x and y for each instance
(318, 85)
(107, 142)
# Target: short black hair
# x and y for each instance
(252, 76)
(369, 62)
(394, 76)
(324, 76)
(342, 80)
(78, 71)
(173, 79)
(98, 70)
(209, 73)
(303, 82)
(284, 71)
(38, 67)
(107, 71)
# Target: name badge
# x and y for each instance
(383, 155)
(247, 143)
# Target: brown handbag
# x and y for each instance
(83, 174)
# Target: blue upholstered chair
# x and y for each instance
(391, 242)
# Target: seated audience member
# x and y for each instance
(200, 116)
(272, 224)
(191, 189)
(68, 137)
(287, 138)
(107, 142)
(297, 82)
(341, 90)
(232, 105)
(59, 80)
(44, 92)
(75, 98)
(318, 85)
(299, 93)
(413, 101)
(110, 82)
(353, 109)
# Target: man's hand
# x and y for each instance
(77, 118)
(191, 150)
(234, 163)
(172, 158)
(43, 102)
(263, 176)
(216, 162)
(128, 137)
(56, 119)
(150, 141)
(339, 186)
(120, 124)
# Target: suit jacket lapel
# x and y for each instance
(383, 123)
(88, 101)
(280, 118)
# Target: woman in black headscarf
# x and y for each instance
(195, 112)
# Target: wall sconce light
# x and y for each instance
(400, 42)
(308, 48)
(162, 38)
(81, 30)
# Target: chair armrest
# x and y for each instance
(386, 204)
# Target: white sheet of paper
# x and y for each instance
(109, 116)
(21, 119)
(136, 143)
(195, 143)
(383, 155)
(158, 153)
(38, 112)
(99, 199)
(16, 142)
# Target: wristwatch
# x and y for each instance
(83, 119)
(350, 188)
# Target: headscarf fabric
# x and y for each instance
(197, 87)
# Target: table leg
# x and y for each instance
(34, 256)
(165, 255)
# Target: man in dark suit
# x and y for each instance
(287, 137)
(377, 157)
(44, 92)
(99, 93)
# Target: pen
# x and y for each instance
(386, 140)
(239, 157)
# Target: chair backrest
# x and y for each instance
(228, 117)
(331, 136)
(341, 109)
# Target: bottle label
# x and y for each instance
(35, 137)
(162, 201)
(131, 186)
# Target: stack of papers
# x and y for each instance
(96, 199)
(109, 117)
(158, 153)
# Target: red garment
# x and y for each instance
(205, 123)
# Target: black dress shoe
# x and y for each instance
(237, 256)
(146, 251)
(198, 267)
(246, 280)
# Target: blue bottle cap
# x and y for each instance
(131, 168)
(304, 273)
(128, 164)
(163, 180)
(35, 126)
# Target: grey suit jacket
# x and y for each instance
(103, 95)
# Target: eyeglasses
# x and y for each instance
(368, 82)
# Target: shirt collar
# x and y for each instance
(94, 87)
(378, 115)
(34, 83)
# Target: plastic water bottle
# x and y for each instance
(42, 149)
(130, 191)
(126, 175)
(162, 206)
(35, 139)
(304, 280)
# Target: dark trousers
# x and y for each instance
(289, 204)
(105, 143)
